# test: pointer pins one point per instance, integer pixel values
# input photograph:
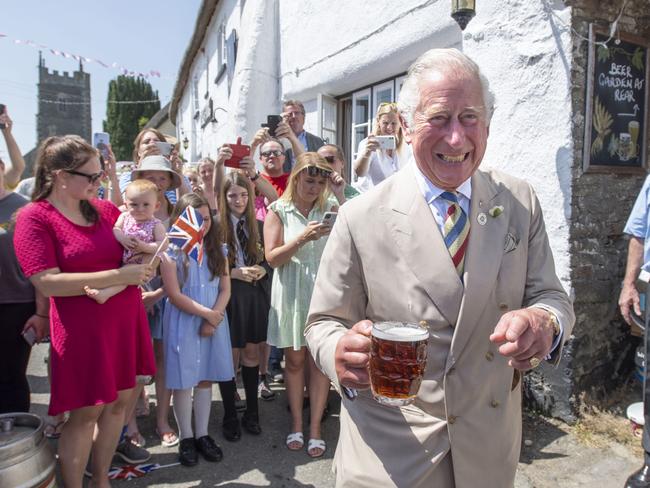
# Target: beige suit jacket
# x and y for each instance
(386, 260)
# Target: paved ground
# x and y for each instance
(554, 457)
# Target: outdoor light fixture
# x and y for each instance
(186, 143)
(462, 11)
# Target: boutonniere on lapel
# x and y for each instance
(496, 211)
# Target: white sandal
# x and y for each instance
(295, 437)
(316, 444)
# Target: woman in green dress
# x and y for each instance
(294, 239)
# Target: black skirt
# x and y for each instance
(248, 312)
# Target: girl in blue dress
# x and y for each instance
(196, 335)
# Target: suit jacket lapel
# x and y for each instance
(483, 257)
(418, 237)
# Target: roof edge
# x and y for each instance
(203, 18)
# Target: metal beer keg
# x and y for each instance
(26, 458)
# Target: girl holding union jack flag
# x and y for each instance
(195, 327)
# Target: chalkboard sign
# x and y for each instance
(617, 104)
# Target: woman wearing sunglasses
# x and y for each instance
(335, 157)
(374, 161)
(64, 240)
(294, 239)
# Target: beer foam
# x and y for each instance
(399, 333)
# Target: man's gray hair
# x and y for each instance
(448, 61)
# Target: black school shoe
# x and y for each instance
(208, 449)
(251, 424)
(187, 453)
(231, 430)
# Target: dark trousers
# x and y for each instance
(275, 358)
(14, 356)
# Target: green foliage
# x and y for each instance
(142, 121)
(637, 59)
(125, 120)
(603, 53)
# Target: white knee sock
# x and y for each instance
(183, 412)
(202, 404)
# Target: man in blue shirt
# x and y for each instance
(638, 260)
(293, 112)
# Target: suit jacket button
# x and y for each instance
(494, 404)
(503, 306)
(423, 323)
(451, 419)
(489, 355)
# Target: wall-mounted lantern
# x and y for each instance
(186, 143)
(462, 11)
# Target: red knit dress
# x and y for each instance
(97, 350)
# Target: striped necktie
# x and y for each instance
(243, 242)
(456, 231)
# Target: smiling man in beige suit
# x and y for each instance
(464, 250)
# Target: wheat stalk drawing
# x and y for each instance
(602, 124)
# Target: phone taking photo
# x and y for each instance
(239, 152)
(3, 107)
(272, 122)
(329, 218)
(386, 142)
(165, 148)
(101, 140)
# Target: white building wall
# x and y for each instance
(298, 49)
(526, 55)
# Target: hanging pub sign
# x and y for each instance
(616, 122)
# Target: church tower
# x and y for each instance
(63, 103)
(63, 107)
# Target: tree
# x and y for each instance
(123, 120)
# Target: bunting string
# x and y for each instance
(57, 52)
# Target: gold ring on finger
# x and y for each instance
(534, 362)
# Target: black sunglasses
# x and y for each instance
(330, 159)
(316, 171)
(92, 178)
(274, 152)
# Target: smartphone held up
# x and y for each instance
(386, 142)
(101, 140)
(272, 122)
(3, 108)
(239, 152)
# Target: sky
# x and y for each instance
(139, 35)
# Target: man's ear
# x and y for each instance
(405, 129)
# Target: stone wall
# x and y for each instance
(600, 351)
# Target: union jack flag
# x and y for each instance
(129, 472)
(187, 233)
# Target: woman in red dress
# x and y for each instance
(64, 241)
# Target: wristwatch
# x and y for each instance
(257, 175)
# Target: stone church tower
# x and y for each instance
(63, 106)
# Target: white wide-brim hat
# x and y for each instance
(157, 163)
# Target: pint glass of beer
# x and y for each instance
(398, 356)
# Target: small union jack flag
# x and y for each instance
(187, 233)
(129, 472)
